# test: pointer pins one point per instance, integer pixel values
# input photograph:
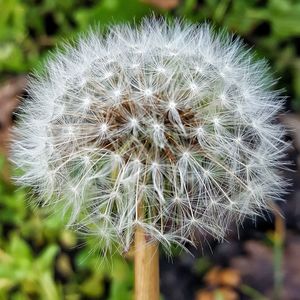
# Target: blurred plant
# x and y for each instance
(27, 29)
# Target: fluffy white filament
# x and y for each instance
(172, 116)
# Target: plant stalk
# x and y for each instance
(146, 265)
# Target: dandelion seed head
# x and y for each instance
(171, 115)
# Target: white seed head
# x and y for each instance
(172, 116)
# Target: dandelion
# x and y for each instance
(169, 128)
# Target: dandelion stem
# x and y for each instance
(278, 247)
(146, 264)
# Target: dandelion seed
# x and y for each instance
(103, 128)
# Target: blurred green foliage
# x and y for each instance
(41, 260)
(29, 27)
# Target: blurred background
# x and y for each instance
(39, 259)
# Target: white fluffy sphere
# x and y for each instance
(172, 118)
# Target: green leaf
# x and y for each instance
(46, 259)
